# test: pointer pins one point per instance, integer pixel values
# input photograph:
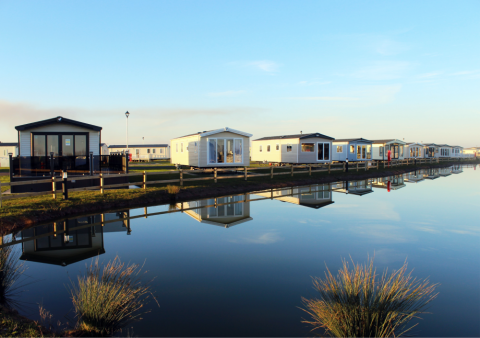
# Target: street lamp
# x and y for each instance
(127, 114)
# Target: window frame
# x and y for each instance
(289, 145)
(323, 152)
(225, 147)
(60, 143)
(277, 147)
(268, 148)
(341, 151)
(303, 151)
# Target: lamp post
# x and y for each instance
(127, 114)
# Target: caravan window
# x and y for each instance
(176, 147)
(380, 150)
(289, 148)
(339, 149)
(181, 147)
(352, 149)
(308, 147)
(260, 149)
(225, 150)
(268, 148)
(148, 151)
(277, 147)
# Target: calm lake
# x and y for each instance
(240, 268)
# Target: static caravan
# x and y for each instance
(414, 150)
(299, 148)
(457, 151)
(224, 211)
(390, 182)
(445, 151)
(104, 149)
(143, 152)
(358, 188)
(432, 150)
(381, 148)
(457, 169)
(471, 152)
(354, 149)
(5, 149)
(444, 172)
(314, 196)
(62, 136)
(224, 147)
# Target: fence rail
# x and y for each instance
(248, 172)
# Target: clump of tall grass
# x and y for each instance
(173, 189)
(106, 300)
(11, 270)
(360, 303)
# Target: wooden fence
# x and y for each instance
(248, 172)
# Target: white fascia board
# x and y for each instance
(225, 130)
(397, 141)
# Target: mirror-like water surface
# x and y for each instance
(239, 265)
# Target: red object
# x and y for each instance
(389, 155)
(129, 157)
(389, 186)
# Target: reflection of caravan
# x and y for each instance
(315, 196)
(223, 211)
(444, 172)
(70, 241)
(415, 176)
(457, 169)
(389, 182)
(66, 247)
(432, 174)
(358, 188)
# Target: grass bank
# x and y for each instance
(19, 213)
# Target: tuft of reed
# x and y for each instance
(11, 270)
(360, 303)
(106, 300)
(173, 189)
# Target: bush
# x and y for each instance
(173, 189)
(358, 303)
(108, 299)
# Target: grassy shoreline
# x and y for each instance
(29, 211)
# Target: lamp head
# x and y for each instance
(127, 114)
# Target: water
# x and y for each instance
(241, 269)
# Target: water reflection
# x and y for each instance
(72, 240)
(390, 182)
(415, 176)
(313, 196)
(223, 211)
(358, 188)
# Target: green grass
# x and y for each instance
(359, 303)
(106, 300)
(4, 179)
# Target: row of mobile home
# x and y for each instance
(142, 152)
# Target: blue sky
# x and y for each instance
(373, 69)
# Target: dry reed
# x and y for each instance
(360, 303)
(11, 270)
(173, 189)
(106, 300)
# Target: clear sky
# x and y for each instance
(371, 69)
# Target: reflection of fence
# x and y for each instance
(60, 229)
(246, 172)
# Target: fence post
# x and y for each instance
(343, 166)
(366, 165)
(384, 164)
(127, 158)
(377, 165)
(215, 174)
(145, 179)
(329, 167)
(292, 170)
(357, 165)
(64, 185)
(54, 188)
(91, 163)
(11, 166)
(52, 169)
(310, 169)
(181, 177)
(246, 169)
(271, 172)
(102, 191)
